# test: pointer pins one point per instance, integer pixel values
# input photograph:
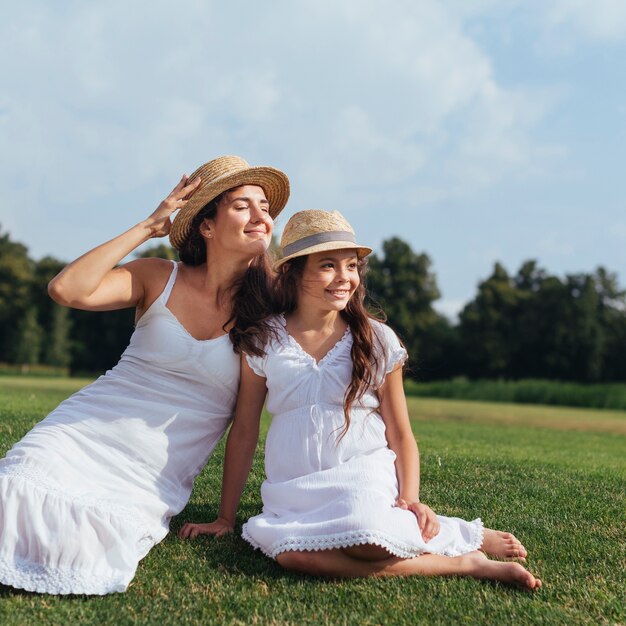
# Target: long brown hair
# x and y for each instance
(365, 368)
(251, 295)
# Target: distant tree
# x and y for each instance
(401, 282)
(98, 339)
(15, 277)
(28, 339)
(487, 326)
(161, 251)
(53, 318)
(57, 343)
(612, 313)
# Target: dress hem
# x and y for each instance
(361, 537)
(38, 578)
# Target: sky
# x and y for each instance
(476, 130)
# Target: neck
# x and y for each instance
(220, 272)
(307, 318)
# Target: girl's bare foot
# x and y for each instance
(502, 545)
(479, 566)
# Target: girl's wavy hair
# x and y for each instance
(251, 295)
(365, 344)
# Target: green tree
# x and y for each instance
(28, 338)
(57, 343)
(487, 326)
(53, 318)
(161, 251)
(401, 282)
(15, 277)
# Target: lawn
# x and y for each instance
(555, 477)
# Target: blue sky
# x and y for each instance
(475, 130)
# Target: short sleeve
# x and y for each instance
(392, 351)
(257, 364)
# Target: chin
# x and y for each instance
(338, 306)
(257, 248)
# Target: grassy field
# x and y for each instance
(555, 477)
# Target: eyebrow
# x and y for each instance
(245, 198)
(335, 259)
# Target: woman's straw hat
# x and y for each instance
(314, 230)
(220, 175)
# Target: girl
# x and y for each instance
(92, 488)
(341, 497)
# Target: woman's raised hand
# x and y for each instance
(159, 222)
(218, 528)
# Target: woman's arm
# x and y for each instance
(240, 447)
(401, 440)
(92, 282)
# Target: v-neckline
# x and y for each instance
(165, 296)
(331, 351)
(182, 327)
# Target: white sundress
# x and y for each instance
(321, 492)
(88, 491)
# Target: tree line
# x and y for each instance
(530, 324)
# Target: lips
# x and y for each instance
(339, 293)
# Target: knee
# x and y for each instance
(304, 562)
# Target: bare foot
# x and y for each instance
(502, 545)
(479, 566)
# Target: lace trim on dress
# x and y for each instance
(38, 479)
(304, 355)
(360, 537)
(41, 579)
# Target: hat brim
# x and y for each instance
(361, 251)
(275, 184)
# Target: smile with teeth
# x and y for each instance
(339, 293)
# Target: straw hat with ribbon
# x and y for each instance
(220, 175)
(314, 230)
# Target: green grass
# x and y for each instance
(550, 392)
(555, 477)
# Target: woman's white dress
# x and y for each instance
(88, 491)
(323, 492)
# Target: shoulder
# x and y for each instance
(383, 332)
(150, 275)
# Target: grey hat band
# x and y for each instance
(314, 240)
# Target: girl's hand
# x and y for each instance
(426, 518)
(218, 528)
(159, 222)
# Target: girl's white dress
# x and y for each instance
(322, 492)
(88, 491)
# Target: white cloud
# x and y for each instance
(599, 20)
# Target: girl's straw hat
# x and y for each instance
(312, 231)
(222, 174)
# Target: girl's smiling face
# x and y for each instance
(329, 279)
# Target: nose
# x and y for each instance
(342, 275)
(257, 214)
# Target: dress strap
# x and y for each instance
(165, 295)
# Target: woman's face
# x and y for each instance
(329, 279)
(242, 225)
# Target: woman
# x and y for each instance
(88, 492)
(341, 497)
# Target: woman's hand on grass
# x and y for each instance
(218, 528)
(426, 518)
